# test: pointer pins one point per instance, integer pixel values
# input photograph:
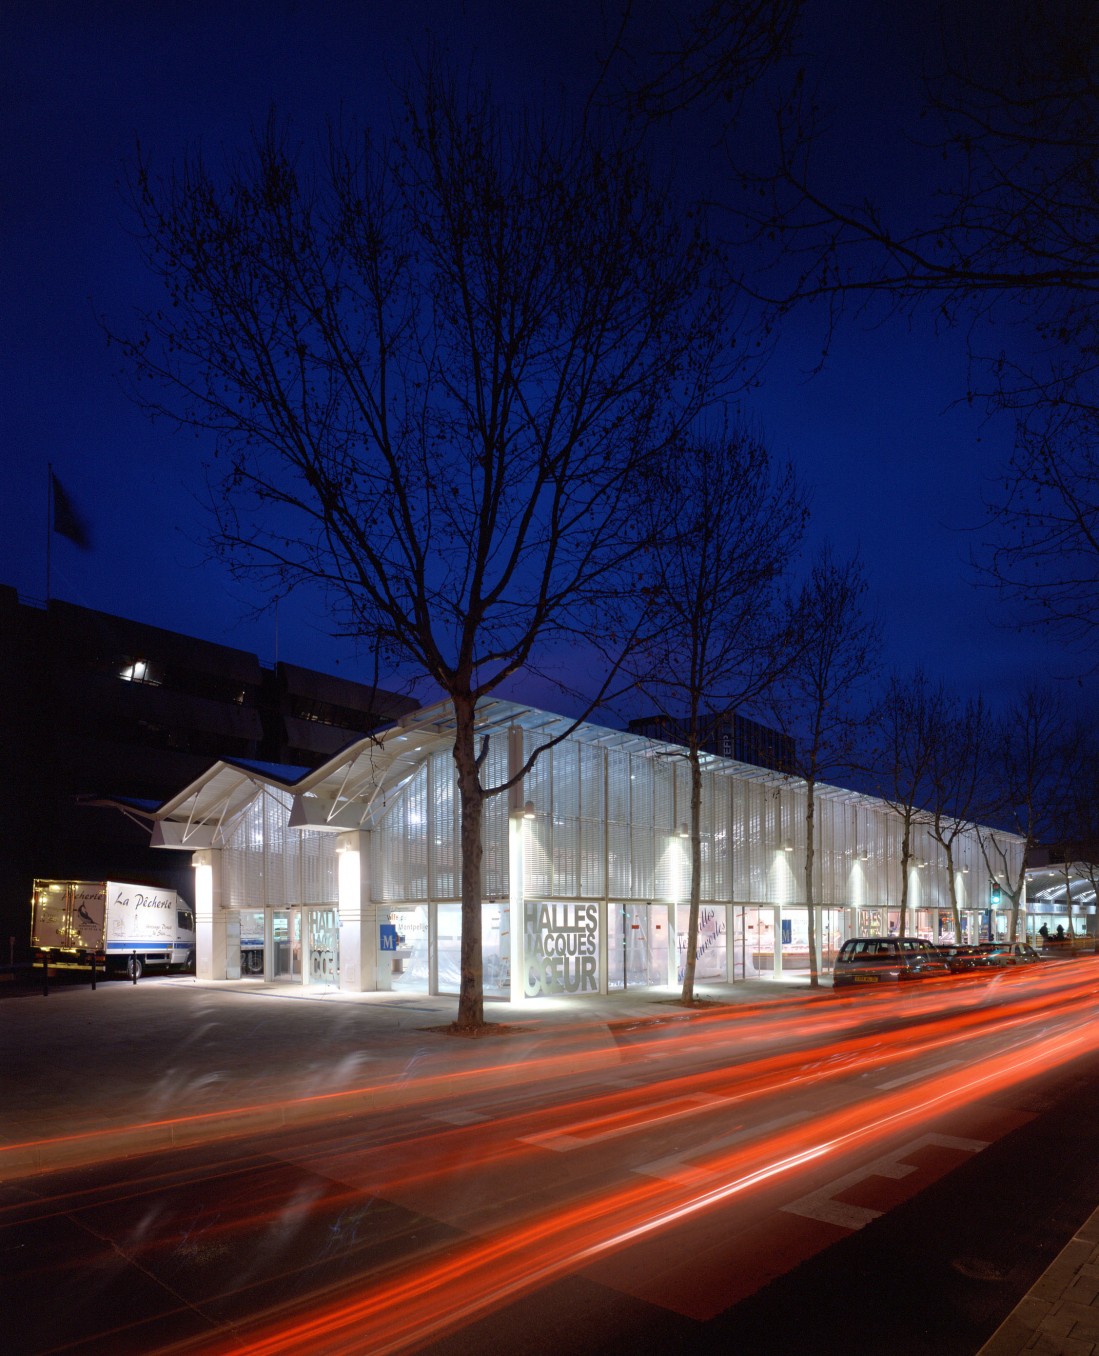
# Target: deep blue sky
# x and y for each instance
(894, 466)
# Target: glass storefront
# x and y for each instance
(878, 922)
(831, 938)
(304, 945)
(323, 940)
(251, 942)
(411, 961)
(711, 952)
(561, 948)
(495, 949)
(286, 944)
(637, 945)
(753, 942)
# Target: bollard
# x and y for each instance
(133, 967)
(93, 971)
(45, 974)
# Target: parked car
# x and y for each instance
(874, 960)
(961, 959)
(1010, 953)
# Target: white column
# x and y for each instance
(604, 947)
(517, 916)
(359, 956)
(730, 954)
(217, 955)
(777, 971)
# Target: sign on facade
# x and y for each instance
(560, 949)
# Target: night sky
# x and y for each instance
(893, 464)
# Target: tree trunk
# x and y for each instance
(957, 917)
(696, 872)
(810, 848)
(906, 845)
(471, 1002)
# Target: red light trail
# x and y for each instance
(1038, 1021)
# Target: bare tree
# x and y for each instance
(906, 723)
(956, 785)
(819, 698)
(1078, 814)
(1026, 781)
(433, 365)
(723, 526)
(719, 52)
(1011, 237)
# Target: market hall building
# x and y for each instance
(348, 875)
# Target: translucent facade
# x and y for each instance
(608, 824)
(266, 864)
(356, 870)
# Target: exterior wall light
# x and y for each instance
(787, 846)
(864, 855)
(684, 831)
(528, 810)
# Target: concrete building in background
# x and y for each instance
(348, 875)
(96, 707)
(728, 733)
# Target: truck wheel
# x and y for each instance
(134, 968)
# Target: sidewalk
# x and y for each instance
(175, 1062)
(1059, 1316)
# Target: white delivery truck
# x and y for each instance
(122, 927)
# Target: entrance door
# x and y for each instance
(637, 954)
(286, 943)
(831, 938)
(753, 943)
(323, 932)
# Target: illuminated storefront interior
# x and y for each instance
(348, 875)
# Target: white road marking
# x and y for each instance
(675, 1167)
(458, 1116)
(572, 1136)
(820, 1205)
(913, 1077)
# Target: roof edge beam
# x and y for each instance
(309, 812)
(170, 834)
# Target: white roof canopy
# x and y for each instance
(355, 786)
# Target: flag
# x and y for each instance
(67, 522)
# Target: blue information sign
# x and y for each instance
(388, 937)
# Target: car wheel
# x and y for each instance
(134, 968)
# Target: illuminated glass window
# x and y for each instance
(138, 671)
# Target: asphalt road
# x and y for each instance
(886, 1173)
